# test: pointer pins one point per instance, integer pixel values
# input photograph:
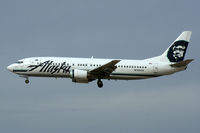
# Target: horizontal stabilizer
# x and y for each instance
(182, 63)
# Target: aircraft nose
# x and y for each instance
(10, 68)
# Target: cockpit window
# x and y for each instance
(19, 62)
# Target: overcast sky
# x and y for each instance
(127, 29)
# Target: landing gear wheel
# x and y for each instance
(26, 81)
(100, 83)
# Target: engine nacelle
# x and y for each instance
(79, 76)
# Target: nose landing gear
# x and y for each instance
(100, 83)
(26, 77)
(26, 81)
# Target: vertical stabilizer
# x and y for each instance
(176, 51)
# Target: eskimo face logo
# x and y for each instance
(177, 51)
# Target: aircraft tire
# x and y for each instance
(26, 81)
(100, 83)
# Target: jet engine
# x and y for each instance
(79, 76)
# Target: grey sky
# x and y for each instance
(107, 29)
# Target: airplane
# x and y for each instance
(85, 70)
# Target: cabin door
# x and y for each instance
(155, 68)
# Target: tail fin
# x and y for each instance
(176, 51)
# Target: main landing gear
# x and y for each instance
(99, 83)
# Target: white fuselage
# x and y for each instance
(84, 70)
(62, 67)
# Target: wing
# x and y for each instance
(105, 70)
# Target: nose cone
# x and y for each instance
(10, 68)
